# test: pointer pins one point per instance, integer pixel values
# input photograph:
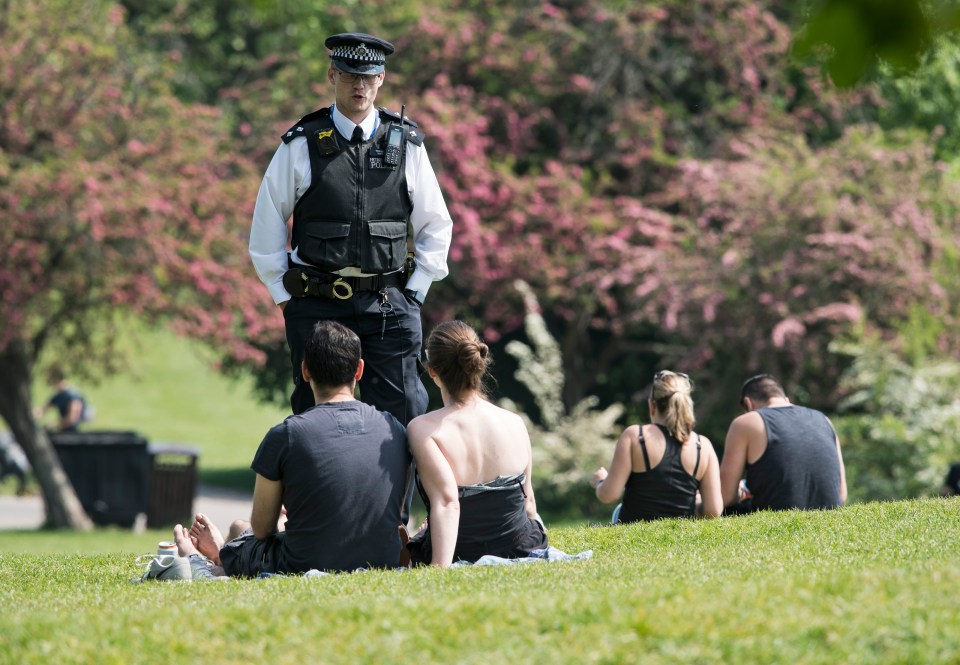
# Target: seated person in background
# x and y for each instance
(339, 469)
(660, 468)
(13, 462)
(473, 462)
(951, 484)
(791, 454)
(67, 400)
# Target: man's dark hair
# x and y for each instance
(332, 354)
(761, 388)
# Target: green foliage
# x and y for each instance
(928, 98)
(867, 584)
(899, 424)
(223, 45)
(859, 33)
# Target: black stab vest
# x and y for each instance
(356, 210)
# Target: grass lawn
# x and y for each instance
(871, 583)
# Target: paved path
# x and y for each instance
(220, 505)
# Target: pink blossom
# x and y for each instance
(789, 327)
(838, 311)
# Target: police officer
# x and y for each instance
(358, 182)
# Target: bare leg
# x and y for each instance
(238, 527)
(206, 537)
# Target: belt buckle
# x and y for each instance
(345, 294)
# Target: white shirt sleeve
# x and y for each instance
(286, 179)
(431, 222)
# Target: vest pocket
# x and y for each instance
(325, 245)
(386, 246)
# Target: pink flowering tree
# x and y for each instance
(674, 187)
(115, 197)
(579, 146)
(792, 249)
(558, 130)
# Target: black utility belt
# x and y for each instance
(302, 283)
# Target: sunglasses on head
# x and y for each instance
(754, 379)
(663, 374)
(749, 382)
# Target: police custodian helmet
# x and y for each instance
(358, 52)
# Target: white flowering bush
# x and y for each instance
(568, 446)
(899, 424)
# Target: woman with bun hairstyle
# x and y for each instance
(473, 462)
(661, 468)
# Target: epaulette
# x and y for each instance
(414, 134)
(391, 116)
(297, 129)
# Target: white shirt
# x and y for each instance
(287, 178)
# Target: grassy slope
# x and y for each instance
(169, 392)
(870, 583)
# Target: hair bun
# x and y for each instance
(471, 356)
(459, 357)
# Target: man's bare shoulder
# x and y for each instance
(745, 425)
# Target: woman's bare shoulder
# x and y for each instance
(696, 437)
(425, 425)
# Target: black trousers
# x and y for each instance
(390, 342)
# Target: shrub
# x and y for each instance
(899, 425)
(568, 445)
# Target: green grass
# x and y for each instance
(169, 391)
(871, 583)
(102, 540)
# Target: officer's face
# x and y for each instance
(355, 97)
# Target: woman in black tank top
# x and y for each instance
(660, 469)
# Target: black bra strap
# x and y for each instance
(697, 465)
(643, 449)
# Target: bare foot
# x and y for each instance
(185, 545)
(206, 537)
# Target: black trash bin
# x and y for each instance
(110, 472)
(173, 483)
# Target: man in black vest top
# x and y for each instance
(358, 182)
(791, 454)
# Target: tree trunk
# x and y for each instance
(63, 508)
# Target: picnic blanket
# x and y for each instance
(548, 554)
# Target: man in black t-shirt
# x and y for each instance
(339, 469)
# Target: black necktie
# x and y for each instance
(357, 134)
